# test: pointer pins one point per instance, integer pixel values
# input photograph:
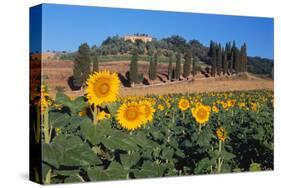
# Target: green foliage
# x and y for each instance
(254, 167)
(81, 67)
(194, 62)
(170, 67)
(95, 66)
(219, 59)
(178, 66)
(171, 145)
(134, 68)
(225, 62)
(187, 64)
(152, 72)
(213, 59)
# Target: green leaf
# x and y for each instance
(58, 120)
(73, 178)
(49, 155)
(79, 104)
(63, 99)
(129, 160)
(167, 153)
(150, 169)
(69, 151)
(112, 108)
(203, 165)
(93, 133)
(227, 155)
(66, 172)
(119, 142)
(254, 167)
(180, 153)
(74, 106)
(113, 172)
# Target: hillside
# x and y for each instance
(57, 75)
(117, 49)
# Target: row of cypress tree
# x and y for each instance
(228, 60)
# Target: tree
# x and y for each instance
(170, 67)
(237, 60)
(152, 73)
(213, 60)
(219, 59)
(225, 61)
(134, 68)
(244, 58)
(95, 67)
(210, 53)
(178, 66)
(81, 69)
(194, 62)
(187, 64)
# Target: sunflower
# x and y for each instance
(44, 100)
(148, 110)
(183, 104)
(103, 115)
(221, 134)
(201, 113)
(102, 87)
(254, 107)
(131, 115)
(215, 109)
(160, 107)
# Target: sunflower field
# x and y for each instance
(103, 136)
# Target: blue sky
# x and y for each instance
(65, 27)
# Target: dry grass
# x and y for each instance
(59, 72)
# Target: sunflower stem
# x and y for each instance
(47, 131)
(220, 161)
(37, 126)
(200, 129)
(94, 112)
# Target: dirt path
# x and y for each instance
(198, 86)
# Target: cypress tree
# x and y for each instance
(178, 66)
(170, 67)
(81, 69)
(156, 59)
(153, 67)
(213, 61)
(195, 60)
(134, 68)
(244, 58)
(219, 59)
(225, 62)
(232, 57)
(187, 64)
(211, 49)
(236, 60)
(95, 67)
(150, 69)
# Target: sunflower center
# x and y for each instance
(104, 88)
(131, 114)
(201, 113)
(184, 104)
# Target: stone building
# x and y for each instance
(133, 38)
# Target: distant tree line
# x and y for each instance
(227, 60)
(223, 60)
